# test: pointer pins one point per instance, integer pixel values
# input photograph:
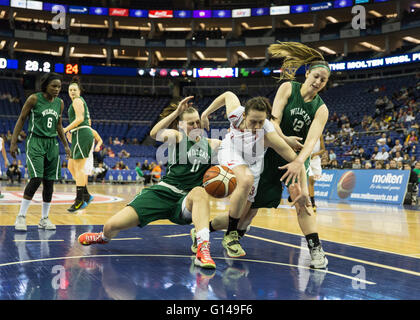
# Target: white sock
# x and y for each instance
(45, 209)
(105, 238)
(24, 205)
(203, 235)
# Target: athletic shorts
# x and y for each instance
(160, 202)
(232, 159)
(88, 169)
(270, 187)
(43, 158)
(81, 143)
(315, 169)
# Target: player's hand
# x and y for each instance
(68, 152)
(294, 143)
(183, 105)
(205, 123)
(68, 136)
(293, 170)
(13, 149)
(300, 200)
(97, 148)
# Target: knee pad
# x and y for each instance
(48, 190)
(31, 187)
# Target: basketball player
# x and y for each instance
(179, 197)
(315, 169)
(298, 114)
(42, 153)
(82, 140)
(242, 151)
(6, 162)
(88, 169)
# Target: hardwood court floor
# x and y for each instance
(373, 253)
(381, 227)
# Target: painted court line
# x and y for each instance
(182, 256)
(345, 243)
(36, 240)
(342, 257)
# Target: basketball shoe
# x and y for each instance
(194, 245)
(46, 224)
(231, 243)
(318, 258)
(203, 258)
(89, 238)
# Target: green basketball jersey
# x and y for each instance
(188, 161)
(44, 116)
(86, 117)
(298, 114)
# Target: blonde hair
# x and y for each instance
(295, 55)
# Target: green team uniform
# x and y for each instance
(187, 165)
(296, 121)
(42, 151)
(82, 136)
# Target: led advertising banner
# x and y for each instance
(215, 72)
(279, 10)
(221, 14)
(161, 14)
(118, 12)
(375, 63)
(343, 3)
(34, 5)
(138, 13)
(51, 6)
(241, 13)
(202, 13)
(255, 12)
(4, 3)
(78, 9)
(299, 8)
(98, 11)
(182, 14)
(321, 6)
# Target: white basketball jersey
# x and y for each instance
(244, 142)
(1, 144)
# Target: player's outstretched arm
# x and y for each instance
(228, 99)
(27, 107)
(160, 131)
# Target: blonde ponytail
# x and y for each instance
(295, 55)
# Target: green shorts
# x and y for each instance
(159, 202)
(43, 158)
(81, 143)
(270, 187)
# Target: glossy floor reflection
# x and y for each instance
(156, 263)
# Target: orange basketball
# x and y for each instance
(346, 184)
(219, 181)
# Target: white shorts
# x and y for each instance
(232, 159)
(315, 169)
(88, 169)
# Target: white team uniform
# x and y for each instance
(240, 147)
(315, 169)
(88, 169)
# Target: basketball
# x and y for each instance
(345, 185)
(219, 181)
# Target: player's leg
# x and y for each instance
(238, 203)
(198, 203)
(35, 164)
(126, 218)
(47, 193)
(79, 176)
(308, 225)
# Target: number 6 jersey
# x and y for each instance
(44, 116)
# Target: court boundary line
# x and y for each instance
(379, 265)
(347, 244)
(185, 256)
